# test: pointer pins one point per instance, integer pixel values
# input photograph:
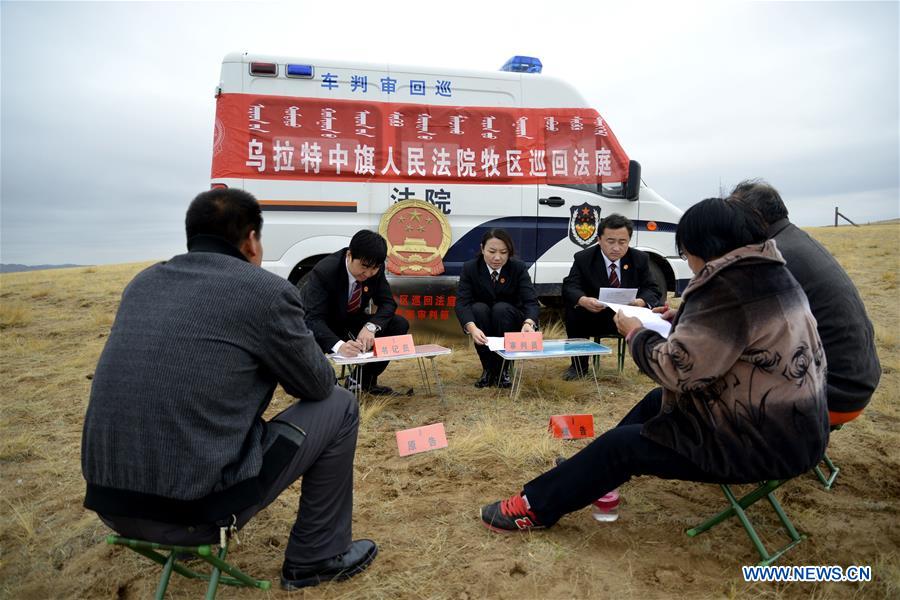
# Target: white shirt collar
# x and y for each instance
(608, 262)
(492, 270)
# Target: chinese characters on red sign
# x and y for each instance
(281, 137)
(425, 307)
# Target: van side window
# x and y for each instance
(584, 187)
(612, 190)
(609, 190)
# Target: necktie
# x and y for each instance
(355, 297)
(494, 276)
(613, 277)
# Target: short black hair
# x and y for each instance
(228, 213)
(759, 196)
(501, 235)
(616, 221)
(713, 227)
(368, 247)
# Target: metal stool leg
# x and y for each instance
(737, 508)
(166, 575)
(833, 471)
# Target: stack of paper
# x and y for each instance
(648, 318)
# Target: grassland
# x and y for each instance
(422, 510)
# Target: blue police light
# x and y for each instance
(304, 71)
(523, 64)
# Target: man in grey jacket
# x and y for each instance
(845, 329)
(174, 444)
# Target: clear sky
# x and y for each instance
(107, 108)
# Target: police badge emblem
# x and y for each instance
(583, 224)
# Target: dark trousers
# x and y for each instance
(324, 459)
(582, 323)
(608, 462)
(495, 320)
(398, 325)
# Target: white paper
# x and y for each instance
(648, 318)
(617, 295)
(495, 343)
(342, 358)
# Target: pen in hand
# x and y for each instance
(354, 343)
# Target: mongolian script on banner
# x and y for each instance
(282, 137)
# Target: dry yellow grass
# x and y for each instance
(423, 509)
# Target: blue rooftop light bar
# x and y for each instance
(523, 64)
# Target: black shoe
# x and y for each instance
(485, 379)
(572, 373)
(503, 381)
(379, 390)
(343, 566)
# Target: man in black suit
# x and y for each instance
(495, 296)
(611, 263)
(336, 297)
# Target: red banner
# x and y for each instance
(281, 137)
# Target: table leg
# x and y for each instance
(424, 373)
(437, 379)
(518, 375)
(356, 374)
(594, 373)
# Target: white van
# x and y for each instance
(330, 147)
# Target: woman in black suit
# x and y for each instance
(495, 296)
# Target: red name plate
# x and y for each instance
(421, 439)
(395, 345)
(523, 342)
(571, 427)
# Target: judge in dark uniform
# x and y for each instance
(336, 296)
(495, 296)
(611, 263)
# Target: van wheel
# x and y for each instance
(659, 278)
(300, 271)
(297, 275)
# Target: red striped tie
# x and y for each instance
(355, 297)
(613, 278)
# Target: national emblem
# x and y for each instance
(418, 236)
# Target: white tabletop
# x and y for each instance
(422, 351)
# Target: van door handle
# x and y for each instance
(552, 201)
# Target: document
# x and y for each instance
(617, 295)
(649, 319)
(495, 343)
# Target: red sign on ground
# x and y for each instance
(571, 427)
(421, 439)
